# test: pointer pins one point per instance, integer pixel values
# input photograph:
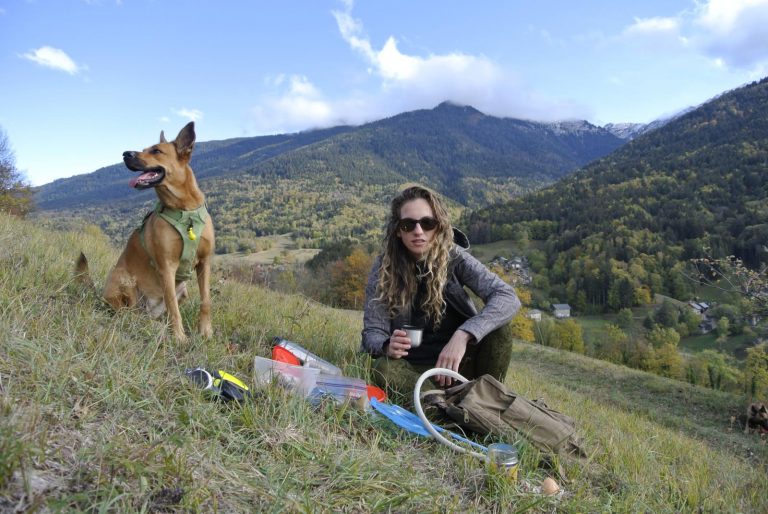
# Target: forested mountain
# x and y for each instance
(315, 184)
(621, 228)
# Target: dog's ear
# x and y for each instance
(185, 141)
(162, 137)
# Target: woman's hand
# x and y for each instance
(399, 344)
(451, 355)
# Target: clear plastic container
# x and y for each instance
(299, 378)
(340, 388)
(306, 357)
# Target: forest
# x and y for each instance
(626, 227)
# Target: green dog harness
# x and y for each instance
(189, 225)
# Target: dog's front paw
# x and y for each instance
(180, 336)
(206, 331)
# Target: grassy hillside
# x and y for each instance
(97, 416)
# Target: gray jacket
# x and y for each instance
(501, 302)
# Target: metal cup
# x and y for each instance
(414, 334)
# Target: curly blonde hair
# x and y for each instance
(399, 274)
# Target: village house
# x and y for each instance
(534, 314)
(516, 265)
(561, 310)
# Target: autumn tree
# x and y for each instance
(669, 362)
(661, 336)
(348, 277)
(568, 336)
(522, 324)
(15, 193)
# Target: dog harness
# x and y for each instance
(189, 225)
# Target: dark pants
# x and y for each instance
(491, 356)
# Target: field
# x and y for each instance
(97, 415)
(281, 250)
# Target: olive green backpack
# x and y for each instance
(486, 406)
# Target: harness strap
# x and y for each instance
(189, 225)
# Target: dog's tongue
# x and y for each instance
(142, 178)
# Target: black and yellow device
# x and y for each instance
(219, 383)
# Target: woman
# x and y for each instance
(418, 280)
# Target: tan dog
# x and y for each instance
(174, 239)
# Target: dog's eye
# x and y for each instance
(155, 151)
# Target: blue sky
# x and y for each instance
(84, 80)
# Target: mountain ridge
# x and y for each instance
(472, 158)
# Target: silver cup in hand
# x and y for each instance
(414, 334)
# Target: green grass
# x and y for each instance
(734, 345)
(280, 247)
(96, 415)
(505, 248)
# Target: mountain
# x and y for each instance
(631, 220)
(312, 183)
(626, 130)
(629, 131)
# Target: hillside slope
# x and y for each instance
(697, 184)
(320, 177)
(97, 415)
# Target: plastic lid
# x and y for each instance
(377, 392)
(280, 354)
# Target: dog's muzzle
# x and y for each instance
(150, 176)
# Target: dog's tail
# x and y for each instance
(82, 273)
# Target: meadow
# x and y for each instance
(96, 415)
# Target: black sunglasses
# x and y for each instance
(408, 224)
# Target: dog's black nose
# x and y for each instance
(128, 155)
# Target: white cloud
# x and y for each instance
(652, 26)
(191, 114)
(53, 58)
(733, 31)
(730, 33)
(406, 82)
(412, 81)
(298, 104)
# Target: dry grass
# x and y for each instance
(96, 416)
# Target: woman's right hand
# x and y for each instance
(399, 344)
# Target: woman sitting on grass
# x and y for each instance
(418, 280)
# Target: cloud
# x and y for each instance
(53, 58)
(191, 114)
(297, 104)
(414, 81)
(405, 82)
(652, 26)
(733, 31)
